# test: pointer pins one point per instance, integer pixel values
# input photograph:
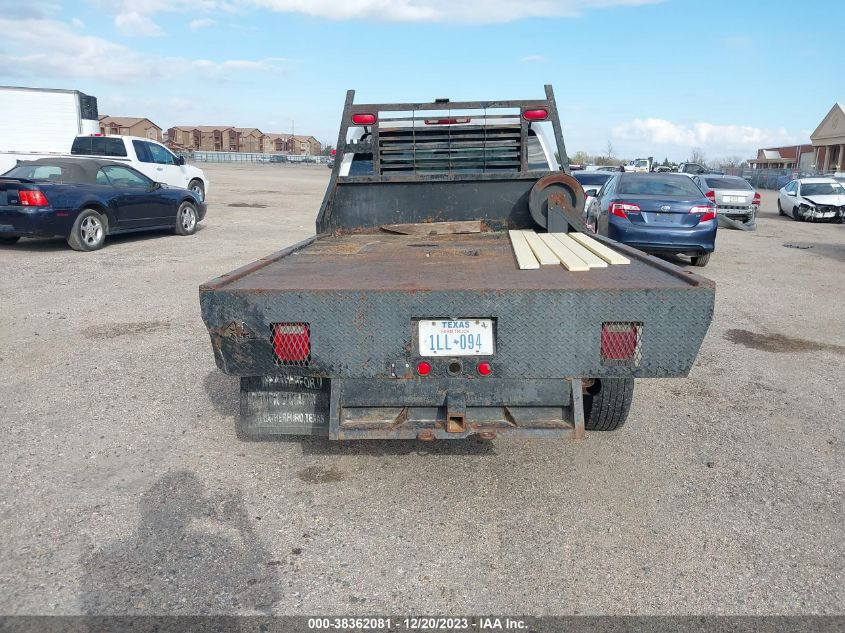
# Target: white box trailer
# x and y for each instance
(37, 122)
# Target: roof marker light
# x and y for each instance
(538, 114)
(363, 119)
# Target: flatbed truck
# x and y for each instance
(396, 321)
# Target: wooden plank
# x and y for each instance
(607, 254)
(542, 252)
(593, 260)
(524, 257)
(434, 228)
(569, 259)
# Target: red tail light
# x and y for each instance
(706, 213)
(423, 368)
(622, 209)
(363, 119)
(711, 196)
(620, 341)
(756, 199)
(540, 114)
(292, 342)
(484, 368)
(29, 198)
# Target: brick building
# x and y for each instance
(130, 126)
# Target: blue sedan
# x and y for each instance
(656, 213)
(83, 200)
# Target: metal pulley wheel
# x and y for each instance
(572, 200)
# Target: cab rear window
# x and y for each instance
(98, 146)
(727, 183)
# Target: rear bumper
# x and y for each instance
(411, 409)
(698, 239)
(34, 223)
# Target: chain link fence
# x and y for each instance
(199, 156)
(775, 178)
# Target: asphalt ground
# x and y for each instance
(125, 490)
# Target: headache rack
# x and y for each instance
(445, 136)
(415, 146)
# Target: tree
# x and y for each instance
(666, 162)
(609, 151)
(698, 156)
(580, 158)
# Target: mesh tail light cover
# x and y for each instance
(292, 343)
(621, 342)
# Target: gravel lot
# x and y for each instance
(125, 489)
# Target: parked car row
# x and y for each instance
(106, 185)
(85, 199)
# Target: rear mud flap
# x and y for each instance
(274, 405)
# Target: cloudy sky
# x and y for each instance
(651, 77)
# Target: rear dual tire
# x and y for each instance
(607, 403)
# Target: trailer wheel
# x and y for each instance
(607, 402)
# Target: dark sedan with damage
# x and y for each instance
(85, 199)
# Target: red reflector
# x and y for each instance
(30, 198)
(539, 114)
(423, 368)
(711, 196)
(485, 368)
(292, 342)
(756, 199)
(620, 341)
(363, 119)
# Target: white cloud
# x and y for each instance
(714, 139)
(449, 11)
(528, 59)
(477, 11)
(201, 23)
(135, 24)
(49, 48)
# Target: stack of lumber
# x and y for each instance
(574, 251)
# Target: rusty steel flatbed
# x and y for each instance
(479, 261)
(329, 336)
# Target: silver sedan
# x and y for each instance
(733, 196)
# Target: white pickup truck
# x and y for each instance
(147, 156)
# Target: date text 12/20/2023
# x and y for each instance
(426, 623)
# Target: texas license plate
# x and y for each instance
(733, 199)
(456, 337)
